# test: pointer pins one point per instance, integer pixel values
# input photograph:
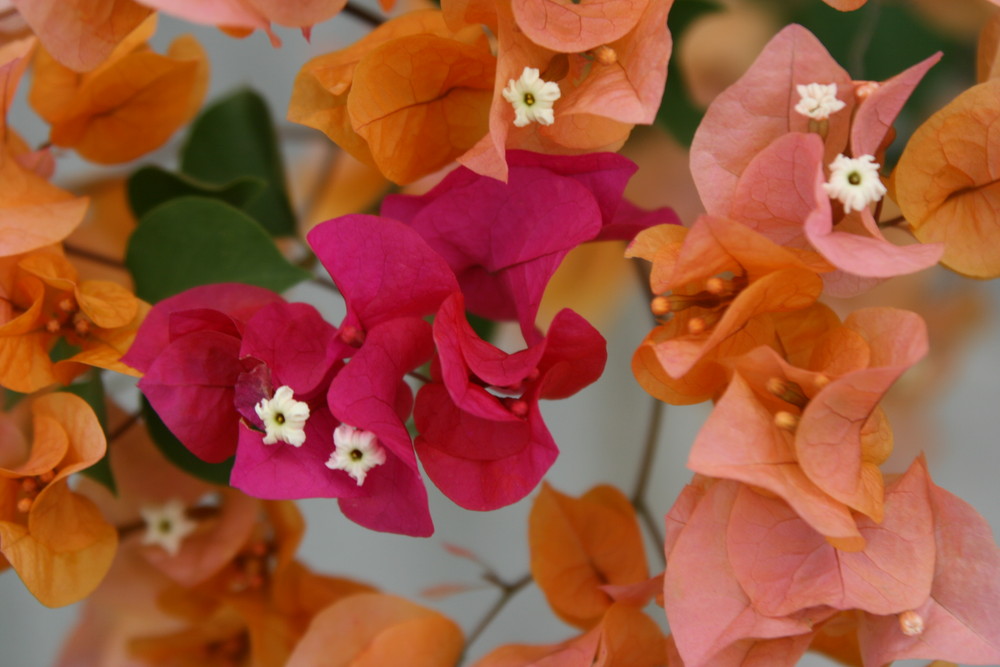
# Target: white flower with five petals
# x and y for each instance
(818, 100)
(854, 182)
(532, 98)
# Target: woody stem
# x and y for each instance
(507, 591)
(645, 471)
(93, 257)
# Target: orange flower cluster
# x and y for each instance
(429, 87)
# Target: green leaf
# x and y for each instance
(63, 350)
(677, 113)
(235, 138)
(151, 186)
(195, 241)
(179, 455)
(483, 327)
(92, 391)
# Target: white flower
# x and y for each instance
(818, 100)
(357, 452)
(166, 525)
(854, 182)
(284, 418)
(532, 98)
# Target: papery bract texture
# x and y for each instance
(505, 240)
(946, 194)
(188, 349)
(127, 107)
(409, 97)
(378, 629)
(81, 34)
(578, 545)
(55, 538)
(486, 450)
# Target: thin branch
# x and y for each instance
(649, 447)
(124, 427)
(372, 19)
(507, 591)
(863, 37)
(92, 256)
(420, 376)
(645, 472)
(891, 222)
(326, 284)
(642, 271)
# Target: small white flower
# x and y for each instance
(166, 525)
(532, 98)
(357, 452)
(284, 418)
(854, 182)
(818, 100)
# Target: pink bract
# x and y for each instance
(482, 438)
(189, 347)
(505, 240)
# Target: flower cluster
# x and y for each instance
(175, 518)
(789, 533)
(313, 410)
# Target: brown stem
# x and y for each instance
(363, 14)
(92, 256)
(645, 472)
(642, 272)
(420, 376)
(507, 591)
(326, 284)
(649, 448)
(891, 222)
(123, 428)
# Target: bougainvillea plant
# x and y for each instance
(199, 349)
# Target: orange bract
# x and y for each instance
(56, 540)
(81, 34)
(409, 98)
(371, 629)
(946, 181)
(579, 545)
(720, 283)
(44, 302)
(130, 105)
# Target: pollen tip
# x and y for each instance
(660, 305)
(911, 623)
(786, 421)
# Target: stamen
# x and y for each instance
(53, 326)
(605, 55)
(352, 335)
(911, 623)
(67, 306)
(786, 421)
(82, 327)
(696, 325)
(787, 391)
(660, 305)
(24, 505)
(518, 407)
